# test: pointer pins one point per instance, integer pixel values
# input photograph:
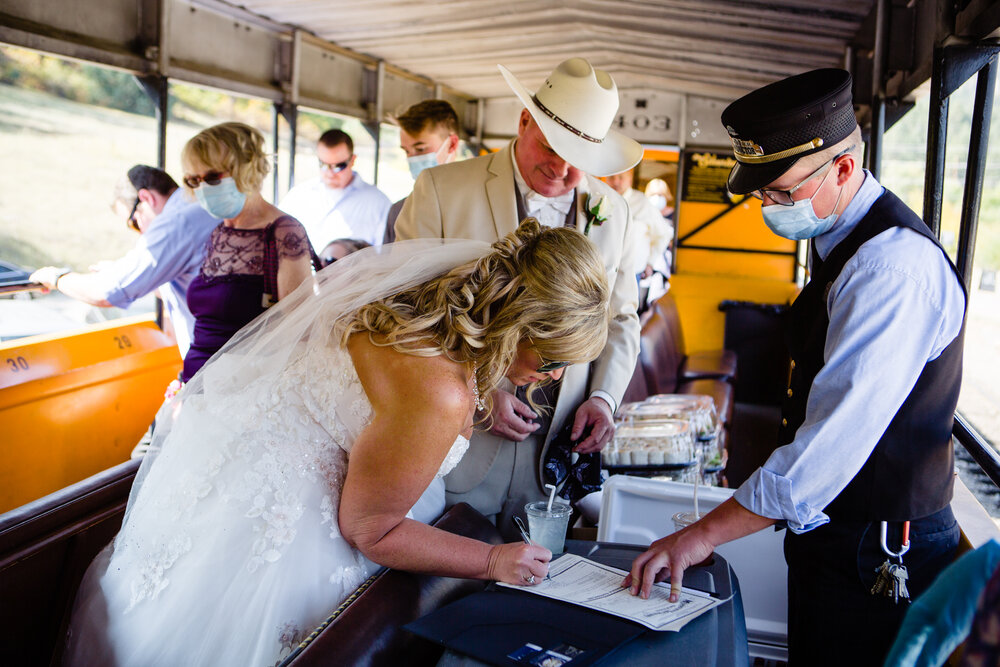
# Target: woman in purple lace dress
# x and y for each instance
(256, 256)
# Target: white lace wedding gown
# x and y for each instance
(231, 553)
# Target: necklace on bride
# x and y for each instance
(480, 403)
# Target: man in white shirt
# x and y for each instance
(339, 204)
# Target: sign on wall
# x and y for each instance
(650, 117)
(705, 176)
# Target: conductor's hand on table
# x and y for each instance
(511, 417)
(518, 563)
(668, 557)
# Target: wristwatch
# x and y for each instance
(62, 272)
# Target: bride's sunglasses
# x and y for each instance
(549, 366)
(546, 366)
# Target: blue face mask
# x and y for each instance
(418, 163)
(799, 221)
(223, 200)
(659, 202)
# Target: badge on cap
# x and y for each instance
(745, 147)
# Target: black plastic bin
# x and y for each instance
(755, 331)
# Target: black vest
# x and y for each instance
(910, 472)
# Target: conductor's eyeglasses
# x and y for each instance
(193, 181)
(784, 197)
(335, 168)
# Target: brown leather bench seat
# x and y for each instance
(700, 364)
(45, 548)
(660, 363)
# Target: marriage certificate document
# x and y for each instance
(586, 583)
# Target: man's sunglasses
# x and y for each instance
(335, 168)
(212, 178)
(131, 221)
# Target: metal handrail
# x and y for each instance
(21, 287)
(979, 449)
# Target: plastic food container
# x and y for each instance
(698, 409)
(664, 442)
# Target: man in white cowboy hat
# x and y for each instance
(563, 140)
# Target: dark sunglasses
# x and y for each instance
(131, 221)
(212, 178)
(549, 366)
(335, 168)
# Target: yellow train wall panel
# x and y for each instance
(76, 403)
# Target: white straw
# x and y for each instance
(552, 496)
(696, 515)
(697, 477)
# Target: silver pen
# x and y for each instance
(527, 540)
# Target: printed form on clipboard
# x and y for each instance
(583, 582)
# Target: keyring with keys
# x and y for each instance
(890, 579)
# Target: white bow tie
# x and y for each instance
(535, 202)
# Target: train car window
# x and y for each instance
(70, 130)
(903, 172)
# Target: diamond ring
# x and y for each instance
(530, 579)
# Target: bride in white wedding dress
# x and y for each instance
(309, 450)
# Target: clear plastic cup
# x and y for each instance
(548, 528)
(684, 519)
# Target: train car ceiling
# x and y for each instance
(675, 61)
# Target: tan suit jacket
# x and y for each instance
(475, 199)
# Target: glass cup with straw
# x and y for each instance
(548, 522)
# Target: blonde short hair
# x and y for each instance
(235, 148)
(541, 285)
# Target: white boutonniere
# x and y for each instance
(598, 208)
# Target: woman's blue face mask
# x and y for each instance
(223, 200)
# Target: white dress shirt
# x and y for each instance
(552, 212)
(358, 211)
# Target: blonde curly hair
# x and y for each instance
(545, 286)
(235, 148)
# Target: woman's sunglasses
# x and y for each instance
(546, 366)
(212, 178)
(549, 366)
